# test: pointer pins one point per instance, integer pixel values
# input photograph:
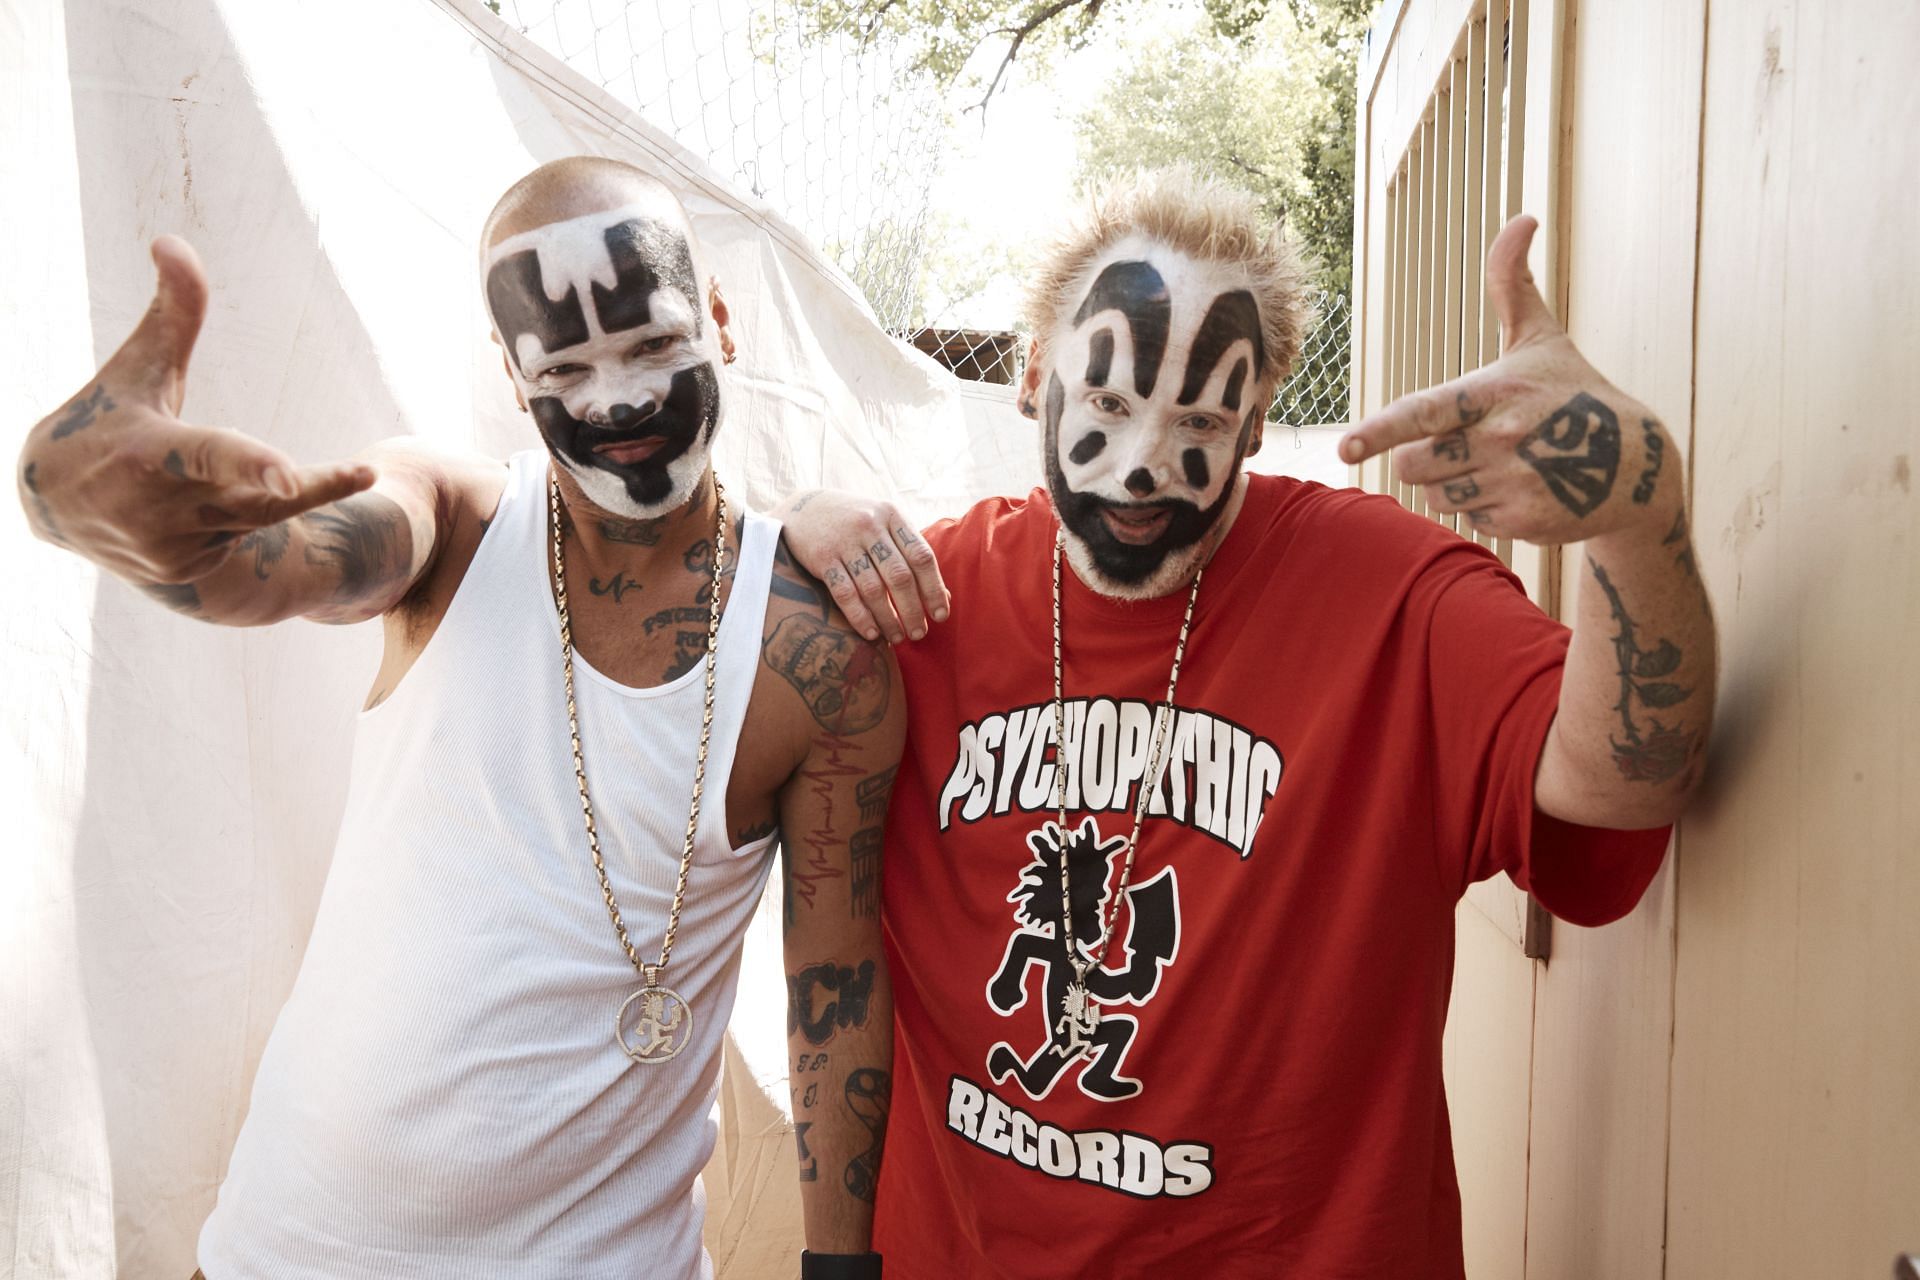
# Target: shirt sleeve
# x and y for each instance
(1494, 669)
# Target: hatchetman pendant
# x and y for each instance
(661, 1024)
(1079, 1021)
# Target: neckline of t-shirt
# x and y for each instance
(1225, 564)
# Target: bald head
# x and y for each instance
(573, 187)
(591, 284)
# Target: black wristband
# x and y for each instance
(839, 1266)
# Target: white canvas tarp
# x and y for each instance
(172, 789)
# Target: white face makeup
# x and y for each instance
(607, 342)
(1152, 391)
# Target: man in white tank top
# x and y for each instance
(483, 1070)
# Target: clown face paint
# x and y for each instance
(1152, 393)
(602, 323)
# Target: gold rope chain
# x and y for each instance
(1163, 717)
(649, 972)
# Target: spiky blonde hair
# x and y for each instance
(1199, 216)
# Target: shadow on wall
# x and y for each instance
(216, 761)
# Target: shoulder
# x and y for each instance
(991, 525)
(1362, 549)
(833, 679)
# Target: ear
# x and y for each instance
(513, 382)
(1027, 397)
(717, 308)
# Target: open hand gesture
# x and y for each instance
(1537, 445)
(118, 477)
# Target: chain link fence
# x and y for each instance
(841, 134)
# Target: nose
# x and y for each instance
(623, 417)
(1140, 483)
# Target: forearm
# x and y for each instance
(1636, 704)
(840, 1036)
(345, 562)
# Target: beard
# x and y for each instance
(1125, 570)
(658, 483)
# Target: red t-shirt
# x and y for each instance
(1362, 704)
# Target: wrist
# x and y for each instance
(839, 1266)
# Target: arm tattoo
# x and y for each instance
(809, 1167)
(267, 545)
(1468, 413)
(863, 850)
(365, 539)
(85, 410)
(1680, 537)
(1656, 454)
(845, 681)
(181, 598)
(175, 465)
(41, 511)
(872, 794)
(1577, 453)
(791, 582)
(1654, 752)
(825, 999)
(869, 1097)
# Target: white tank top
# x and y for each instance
(442, 1094)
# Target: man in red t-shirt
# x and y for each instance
(1176, 1008)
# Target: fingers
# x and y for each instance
(228, 459)
(153, 359)
(313, 487)
(845, 594)
(1515, 299)
(1464, 402)
(875, 599)
(903, 592)
(927, 582)
(1438, 458)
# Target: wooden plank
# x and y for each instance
(1796, 1096)
(1473, 238)
(1419, 286)
(1450, 362)
(1485, 1059)
(1436, 263)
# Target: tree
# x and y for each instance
(1263, 100)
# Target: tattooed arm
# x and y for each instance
(1539, 446)
(839, 694)
(210, 522)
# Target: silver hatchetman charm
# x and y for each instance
(1079, 1020)
(661, 1024)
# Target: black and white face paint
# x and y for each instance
(603, 327)
(1152, 391)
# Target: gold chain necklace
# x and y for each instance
(664, 1023)
(1081, 1017)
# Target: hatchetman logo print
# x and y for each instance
(1147, 935)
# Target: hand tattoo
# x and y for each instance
(1577, 453)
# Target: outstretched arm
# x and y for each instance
(846, 696)
(1538, 445)
(211, 522)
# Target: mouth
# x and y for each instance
(627, 452)
(1136, 526)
